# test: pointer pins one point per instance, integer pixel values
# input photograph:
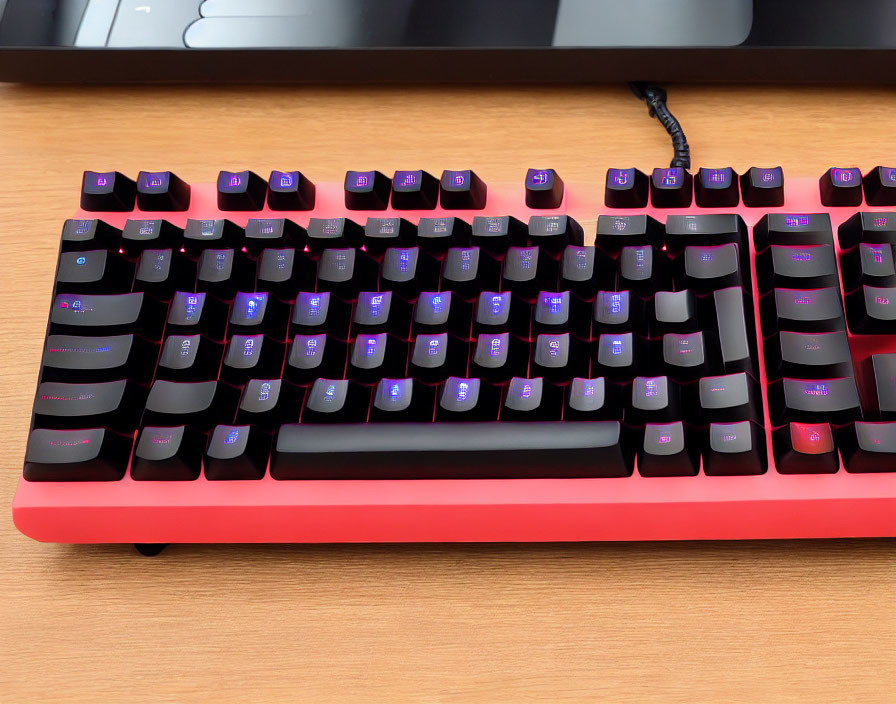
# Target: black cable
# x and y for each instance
(655, 97)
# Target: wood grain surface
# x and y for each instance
(681, 622)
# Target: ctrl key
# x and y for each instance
(167, 454)
(93, 455)
(735, 448)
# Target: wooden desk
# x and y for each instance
(711, 622)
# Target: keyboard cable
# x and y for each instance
(655, 97)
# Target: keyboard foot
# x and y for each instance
(150, 549)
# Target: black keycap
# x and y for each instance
(236, 452)
(442, 312)
(241, 190)
(711, 268)
(763, 188)
(667, 451)
(223, 272)
(162, 190)
(407, 271)
(716, 188)
(378, 355)
(617, 231)
(688, 356)
(200, 235)
(619, 355)
(797, 266)
(626, 188)
(455, 450)
(617, 311)
(326, 233)
(272, 232)
(436, 235)
(162, 272)
(841, 187)
(706, 230)
(381, 312)
(531, 400)
(559, 356)
(586, 270)
(107, 190)
(315, 313)
(382, 233)
(254, 313)
(436, 356)
(189, 358)
(95, 314)
(643, 269)
(593, 399)
(469, 270)
(553, 233)
(402, 400)
(814, 400)
(544, 189)
(671, 188)
(467, 399)
(76, 358)
(729, 398)
(561, 312)
(167, 454)
(93, 455)
(96, 271)
(84, 235)
(673, 311)
(496, 234)
(285, 272)
(414, 190)
(193, 313)
(290, 190)
(805, 448)
(501, 312)
(653, 399)
(868, 447)
(735, 449)
(462, 190)
(802, 310)
(793, 229)
(199, 405)
(251, 357)
(868, 264)
(346, 272)
(110, 404)
(734, 330)
(872, 310)
(336, 401)
(498, 356)
(314, 357)
(138, 235)
(367, 190)
(808, 355)
(268, 403)
(879, 185)
(527, 270)
(884, 366)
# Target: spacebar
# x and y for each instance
(451, 451)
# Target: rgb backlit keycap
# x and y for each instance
(290, 190)
(162, 190)
(841, 187)
(626, 188)
(544, 189)
(241, 190)
(880, 186)
(716, 188)
(107, 190)
(462, 190)
(671, 188)
(367, 190)
(763, 187)
(414, 190)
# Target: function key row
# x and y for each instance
(112, 191)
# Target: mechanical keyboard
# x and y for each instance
(434, 358)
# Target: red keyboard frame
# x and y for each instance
(771, 505)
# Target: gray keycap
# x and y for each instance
(155, 265)
(684, 350)
(153, 23)
(373, 308)
(336, 265)
(880, 302)
(711, 262)
(552, 350)
(650, 393)
(228, 442)
(521, 263)
(216, 264)
(492, 350)
(731, 438)
(636, 263)
(82, 267)
(311, 309)
(804, 262)
(180, 352)
(728, 391)
(552, 308)
(732, 325)
(168, 397)
(393, 394)
(813, 350)
(157, 444)
(459, 394)
(327, 395)
(369, 351)
(885, 380)
(615, 349)
(578, 263)
(877, 259)
(461, 264)
(433, 308)
(524, 394)
(587, 395)
(260, 395)
(675, 306)
(611, 308)
(243, 351)
(808, 305)
(400, 263)
(430, 351)
(664, 439)
(493, 308)
(276, 265)
(307, 351)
